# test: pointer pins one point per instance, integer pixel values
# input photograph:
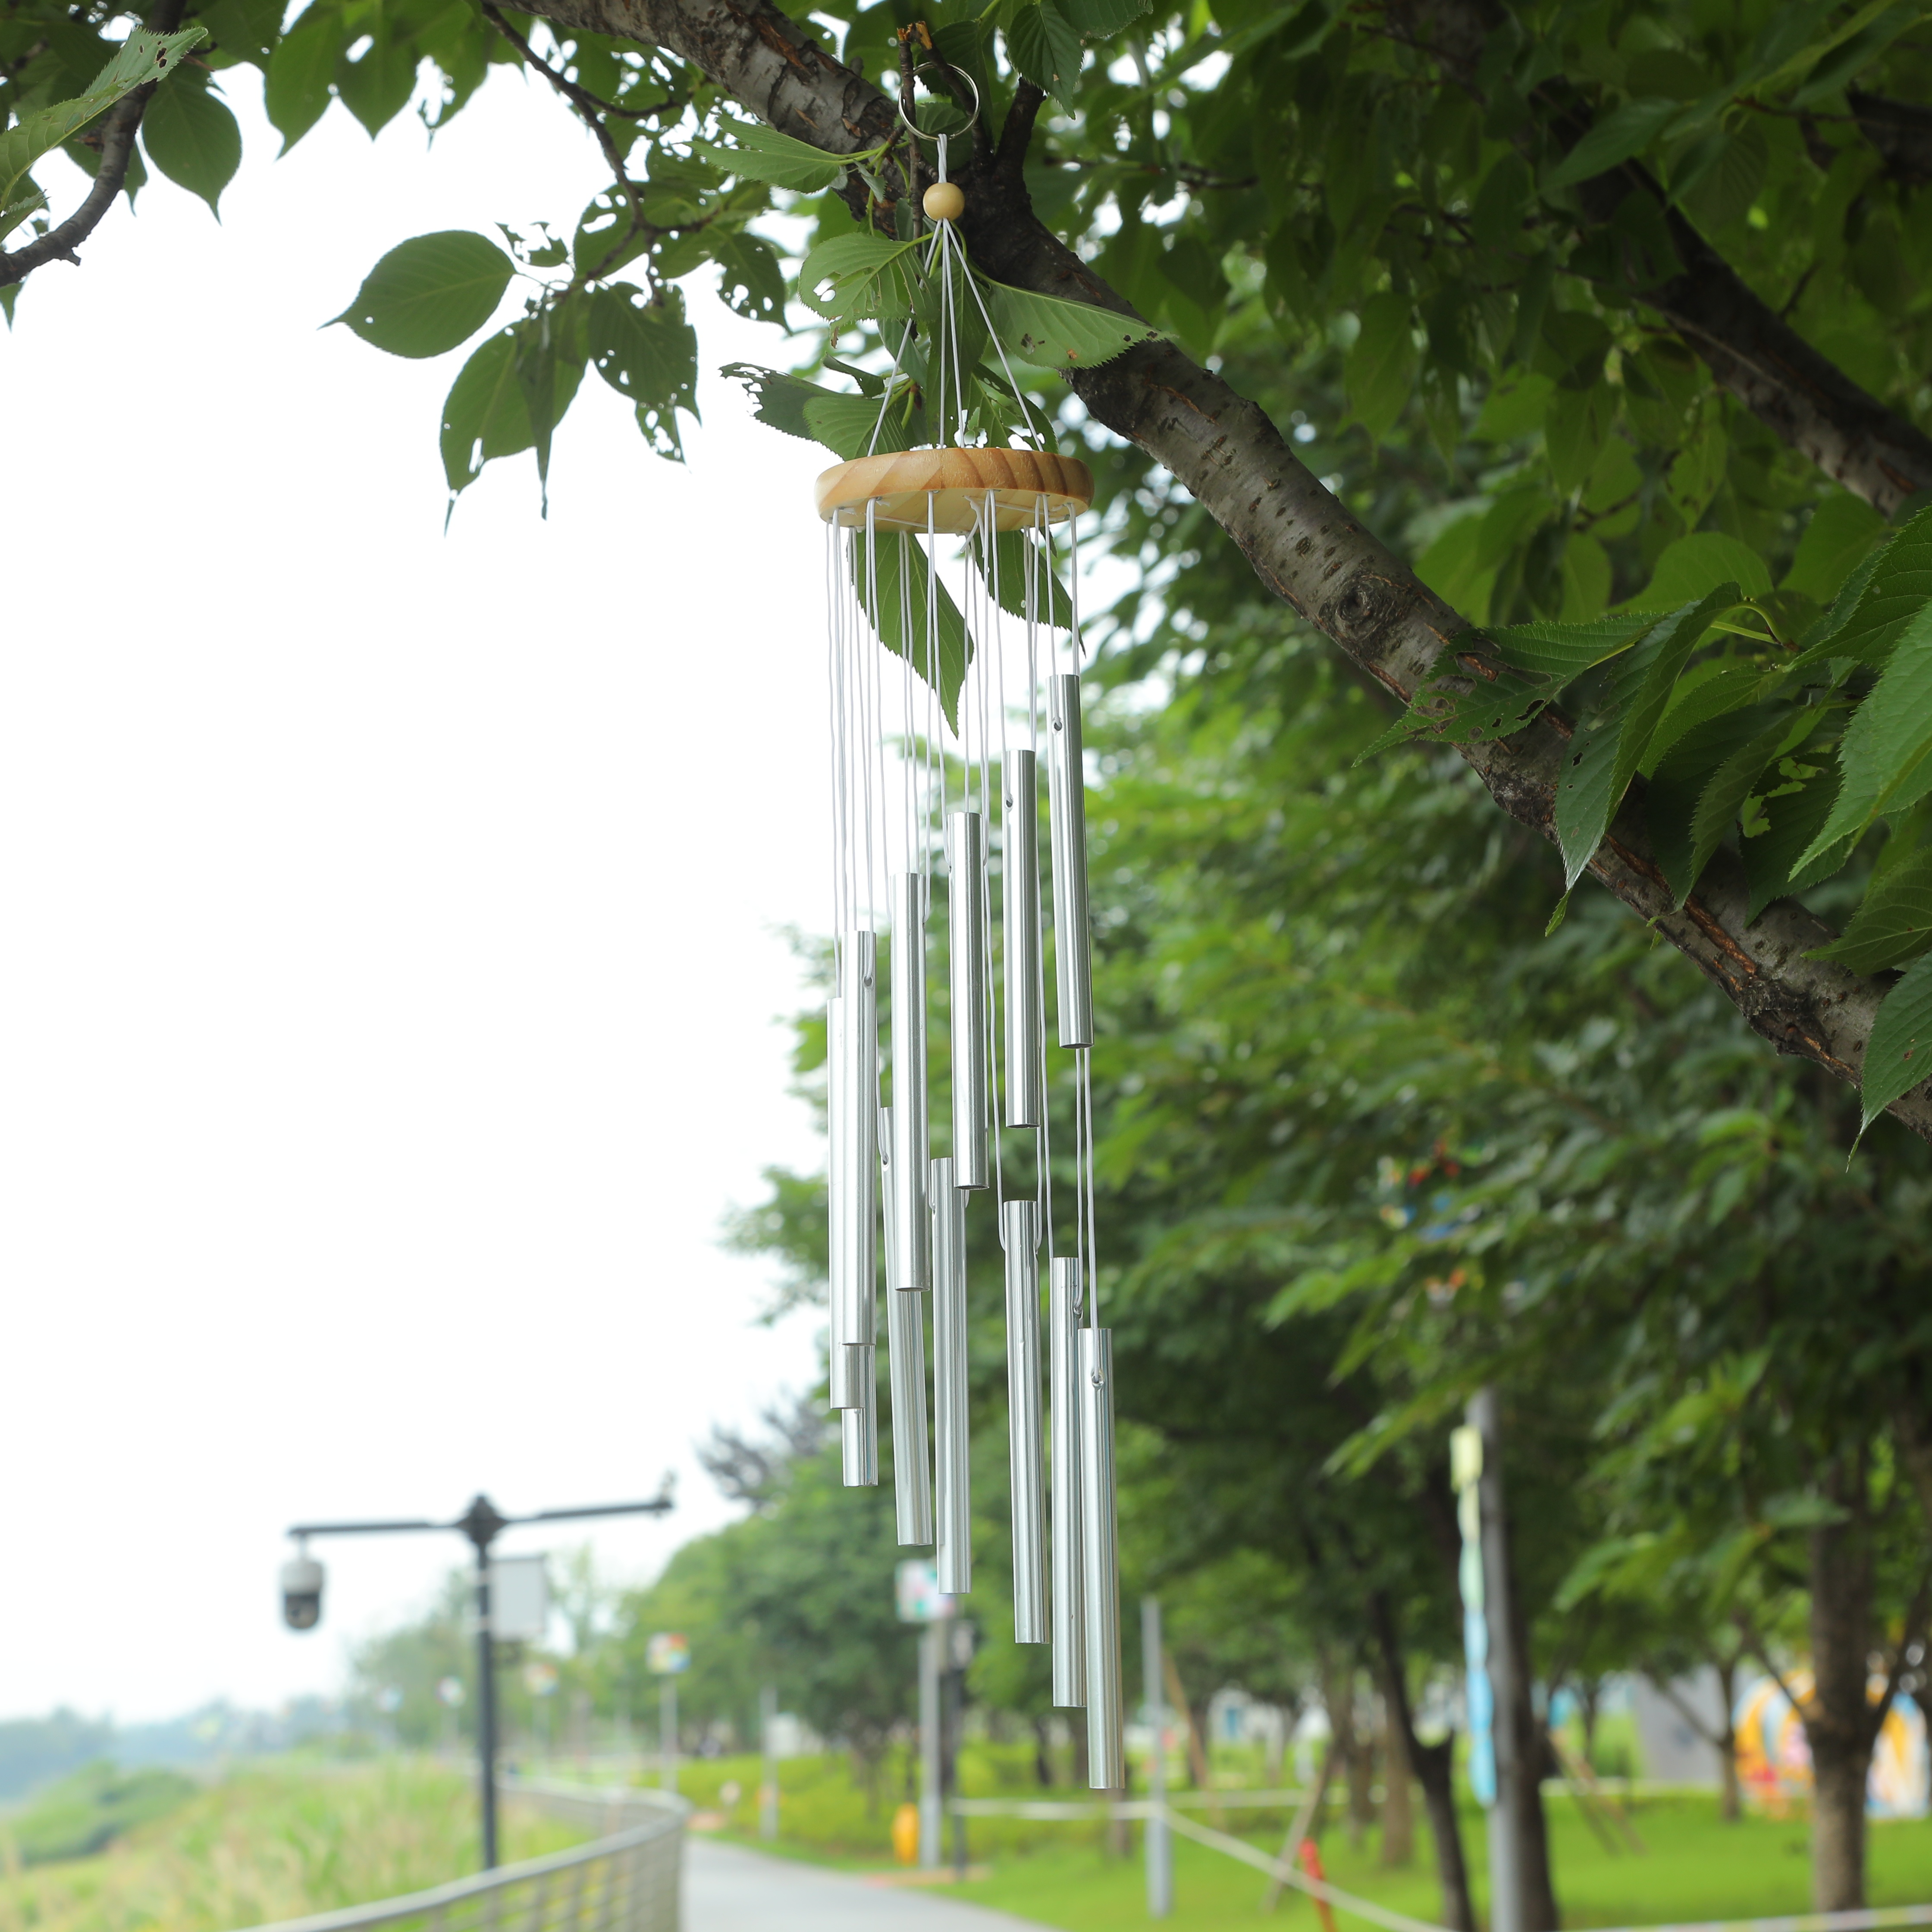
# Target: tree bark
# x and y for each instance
(1433, 1764)
(1338, 1697)
(1730, 1799)
(1838, 1715)
(1301, 541)
(1398, 1814)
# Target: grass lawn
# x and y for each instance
(1694, 1867)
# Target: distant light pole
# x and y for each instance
(482, 1522)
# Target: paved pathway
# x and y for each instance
(728, 1889)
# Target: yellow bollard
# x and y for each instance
(905, 1834)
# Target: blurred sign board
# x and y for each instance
(667, 1654)
(519, 1599)
(919, 1601)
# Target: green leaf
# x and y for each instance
(866, 276)
(1695, 791)
(762, 154)
(1885, 759)
(1626, 130)
(1792, 821)
(1380, 373)
(851, 426)
(648, 353)
(1842, 529)
(1604, 759)
(1695, 565)
(1894, 923)
(485, 415)
(1046, 330)
(901, 582)
(429, 294)
(143, 57)
(1563, 652)
(540, 355)
(751, 282)
(1898, 1055)
(777, 397)
(301, 72)
(1045, 46)
(377, 88)
(1883, 596)
(193, 139)
(1101, 19)
(1708, 692)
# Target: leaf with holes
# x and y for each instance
(856, 276)
(428, 294)
(648, 353)
(1898, 1055)
(750, 281)
(143, 57)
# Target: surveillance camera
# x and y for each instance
(301, 1592)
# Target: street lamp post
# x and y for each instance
(482, 1522)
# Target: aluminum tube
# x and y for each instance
(913, 1269)
(858, 1426)
(912, 1469)
(1067, 781)
(953, 1529)
(860, 1036)
(1025, 1448)
(966, 843)
(1067, 1598)
(1019, 914)
(1106, 1759)
(838, 1205)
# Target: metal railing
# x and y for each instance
(626, 1881)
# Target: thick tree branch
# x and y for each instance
(1802, 397)
(1302, 542)
(117, 149)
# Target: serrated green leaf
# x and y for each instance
(1056, 334)
(854, 276)
(1625, 130)
(484, 415)
(1045, 47)
(1898, 1055)
(376, 87)
(1101, 19)
(143, 57)
(762, 154)
(1695, 701)
(1605, 756)
(1685, 804)
(192, 138)
(1792, 822)
(1550, 649)
(15, 212)
(1883, 595)
(1885, 758)
(1695, 565)
(429, 294)
(1893, 924)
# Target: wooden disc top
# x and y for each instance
(944, 489)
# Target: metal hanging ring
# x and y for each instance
(932, 67)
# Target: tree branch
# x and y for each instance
(117, 149)
(1802, 397)
(1301, 541)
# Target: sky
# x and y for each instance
(394, 954)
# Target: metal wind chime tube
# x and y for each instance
(1019, 902)
(921, 628)
(1106, 1757)
(953, 1529)
(966, 944)
(1026, 1459)
(1068, 1594)
(1066, 784)
(912, 1263)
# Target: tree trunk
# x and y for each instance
(1838, 1715)
(1077, 1730)
(1338, 1697)
(1042, 1760)
(1302, 542)
(1398, 1815)
(1730, 1799)
(1589, 1692)
(1434, 1767)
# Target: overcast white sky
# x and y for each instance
(390, 962)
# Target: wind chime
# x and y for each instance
(942, 712)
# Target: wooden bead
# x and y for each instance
(944, 202)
